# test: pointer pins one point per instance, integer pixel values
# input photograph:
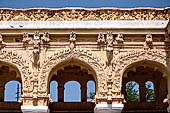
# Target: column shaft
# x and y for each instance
(2, 93)
(60, 93)
(83, 94)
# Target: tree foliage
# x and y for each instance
(149, 92)
(91, 95)
(132, 92)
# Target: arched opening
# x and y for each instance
(54, 91)
(149, 88)
(132, 92)
(10, 88)
(152, 83)
(72, 92)
(12, 91)
(91, 91)
(72, 78)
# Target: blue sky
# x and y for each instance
(83, 3)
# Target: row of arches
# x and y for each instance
(79, 77)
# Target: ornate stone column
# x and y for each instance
(2, 93)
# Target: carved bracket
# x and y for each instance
(2, 43)
(148, 41)
(166, 40)
(72, 40)
(119, 38)
(101, 39)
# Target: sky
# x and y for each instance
(83, 3)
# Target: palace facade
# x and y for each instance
(109, 46)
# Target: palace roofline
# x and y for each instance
(114, 8)
(84, 14)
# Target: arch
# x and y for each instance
(72, 94)
(130, 58)
(12, 91)
(82, 56)
(15, 60)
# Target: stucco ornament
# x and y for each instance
(45, 38)
(72, 40)
(119, 39)
(130, 57)
(2, 43)
(11, 57)
(84, 14)
(166, 37)
(36, 47)
(26, 39)
(148, 41)
(109, 39)
(101, 38)
(81, 55)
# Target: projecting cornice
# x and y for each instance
(83, 14)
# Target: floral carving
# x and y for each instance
(84, 14)
(12, 57)
(79, 54)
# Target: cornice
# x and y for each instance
(84, 14)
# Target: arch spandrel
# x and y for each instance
(127, 59)
(13, 59)
(67, 54)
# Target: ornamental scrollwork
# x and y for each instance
(125, 59)
(12, 57)
(81, 55)
(84, 14)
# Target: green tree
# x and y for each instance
(149, 91)
(91, 95)
(132, 92)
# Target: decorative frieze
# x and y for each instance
(84, 14)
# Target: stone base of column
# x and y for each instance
(35, 109)
(108, 108)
